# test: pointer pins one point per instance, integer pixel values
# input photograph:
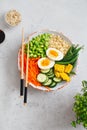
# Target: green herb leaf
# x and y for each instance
(80, 106)
(73, 123)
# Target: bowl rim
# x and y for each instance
(42, 88)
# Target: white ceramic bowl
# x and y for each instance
(59, 85)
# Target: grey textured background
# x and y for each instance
(45, 111)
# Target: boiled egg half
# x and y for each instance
(45, 63)
(54, 54)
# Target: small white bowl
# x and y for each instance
(14, 18)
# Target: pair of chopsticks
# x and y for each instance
(22, 71)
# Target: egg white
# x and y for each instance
(45, 67)
(58, 58)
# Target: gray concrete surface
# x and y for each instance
(45, 111)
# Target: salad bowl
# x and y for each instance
(60, 84)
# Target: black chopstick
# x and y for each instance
(25, 95)
(21, 86)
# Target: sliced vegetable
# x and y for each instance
(46, 80)
(50, 72)
(53, 84)
(42, 78)
(48, 83)
(51, 76)
(45, 71)
(57, 80)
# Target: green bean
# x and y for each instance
(71, 56)
(68, 62)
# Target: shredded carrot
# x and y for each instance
(33, 69)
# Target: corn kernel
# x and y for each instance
(57, 74)
(65, 76)
(59, 68)
(68, 68)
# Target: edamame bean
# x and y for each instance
(39, 45)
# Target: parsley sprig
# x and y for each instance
(80, 106)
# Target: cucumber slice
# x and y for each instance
(57, 80)
(45, 71)
(48, 83)
(51, 76)
(41, 77)
(48, 74)
(46, 80)
(53, 84)
(50, 71)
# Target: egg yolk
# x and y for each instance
(45, 62)
(53, 53)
